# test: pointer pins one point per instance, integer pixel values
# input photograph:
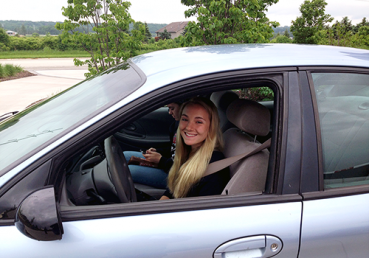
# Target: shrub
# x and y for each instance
(256, 94)
(4, 38)
(9, 70)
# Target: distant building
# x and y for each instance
(175, 29)
(11, 33)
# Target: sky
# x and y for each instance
(167, 11)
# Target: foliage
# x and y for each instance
(344, 33)
(281, 39)
(35, 35)
(256, 94)
(22, 30)
(46, 52)
(4, 38)
(9, 70)
(110, 44)
(228, 22)
(148, 35)
(305, 29)
(165, 34)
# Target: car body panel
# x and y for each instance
(335, 227)
(198, 234)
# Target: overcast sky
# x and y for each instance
(167, 11)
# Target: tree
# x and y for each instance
(286, 34)
(165, 34)
(4, 37)
(109, 43)
(22, 30)
(362, 23)
(148, 35)
(313, 19)
(228, 21)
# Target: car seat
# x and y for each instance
(248, 174)
(222, 99)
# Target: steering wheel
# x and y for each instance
(119, 171)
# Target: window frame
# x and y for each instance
(335, 192)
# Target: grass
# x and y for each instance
(9, 70)
(47, 53)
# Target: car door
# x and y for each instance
(151, 130)
(245, 225)
(335, 221)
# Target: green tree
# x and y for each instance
(281, 39)
(165, 34)
(228, 21)
(363, 22)
(109, 43)
(313, 19)
(148, 35)
(137, 25)
(22, 30)
(286, 34)
(4, 37)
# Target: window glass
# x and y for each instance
(343, 105)
(35, 126)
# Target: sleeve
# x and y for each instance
(168, 194)
(165, 164)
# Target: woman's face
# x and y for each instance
(194, 125)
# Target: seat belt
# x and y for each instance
(220, 164)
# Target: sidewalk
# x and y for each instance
(53, 75)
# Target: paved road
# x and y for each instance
(53, 75)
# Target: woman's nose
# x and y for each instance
(189, 125)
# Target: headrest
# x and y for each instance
(249, 116)
(222, 99)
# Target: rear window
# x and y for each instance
(343, 107)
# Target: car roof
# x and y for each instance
(168, 66)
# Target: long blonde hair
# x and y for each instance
(188, 169)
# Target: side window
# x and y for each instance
(343, 107)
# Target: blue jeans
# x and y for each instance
(154, 177)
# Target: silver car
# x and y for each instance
(66, 190)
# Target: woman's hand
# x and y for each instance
(152, 156)
(164, 198)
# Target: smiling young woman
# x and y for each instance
(199, 143)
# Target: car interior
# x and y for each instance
(100, 175)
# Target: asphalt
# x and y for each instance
(53, 75)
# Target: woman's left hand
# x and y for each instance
(152, 156)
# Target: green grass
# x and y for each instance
(47, 53)
(9, 70)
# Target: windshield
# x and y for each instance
(44, 123)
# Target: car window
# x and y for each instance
(154, 130)
(343, 108)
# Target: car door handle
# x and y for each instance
(255, 246)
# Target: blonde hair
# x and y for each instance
(187, 170)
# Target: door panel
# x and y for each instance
(336, 227)
(151, 130)
(179, 234)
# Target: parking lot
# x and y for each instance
(53, 75)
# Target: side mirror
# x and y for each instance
(38, 218)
